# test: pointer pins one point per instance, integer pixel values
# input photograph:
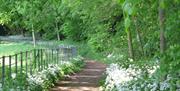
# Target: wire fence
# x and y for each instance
(33, 61)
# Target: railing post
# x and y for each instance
(57, 56)
(49, 53)
(52, 55)
(21, 62)
(69, 52)
(31, 61)
(9, 66)
(38, 60)
(46, 52)
(47, 57)
(3, 70)
(44, 56)
(60, 59)
(26, 62)
(42, 59)
(16, 67)
(34, 59)
(74, 51)
(63, 54)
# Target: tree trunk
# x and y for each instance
(33, 36)
(5, 30)
(130, 46)
(58, 36)
(138, 35)
(161, 24)
(57, 31)
(22, 32)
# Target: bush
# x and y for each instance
(151, 75)
(46, 78)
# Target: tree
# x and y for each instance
(127, 12)
(134, 14)
(161, 24)
(31, 12)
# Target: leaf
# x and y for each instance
(162, 4)
(134, 10)
(128, 9)
(121, 2)
(127, 22)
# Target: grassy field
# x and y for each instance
(9, 48)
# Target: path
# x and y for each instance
(85, 80)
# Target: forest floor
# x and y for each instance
(85, 80)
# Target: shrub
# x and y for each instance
(46, 78)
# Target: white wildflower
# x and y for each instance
(13, 75)
(118, 76)
(130, 59)
(164, 85)
(110, 55)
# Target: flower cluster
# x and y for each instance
(44, 78)
(118, 76)
(133, 79)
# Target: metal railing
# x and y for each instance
(32, 61)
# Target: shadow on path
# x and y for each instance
(85, 80)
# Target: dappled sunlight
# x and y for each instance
(80, 88)
(7, 44)
(6, 62)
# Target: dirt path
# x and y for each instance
(85, 80)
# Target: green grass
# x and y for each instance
(10, 48)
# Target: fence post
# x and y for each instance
(47, 58)
(21, 62)
(63, 56)
(49, 53)
(60, 53)
(44, 61)
(57, 56)
(69, 53)
(38, 60)
(16, 67)
(41, 59)
(9, 66)
(34, 59)
(52, 55)
(26, 62)
(3, 70)
(31, 61)
(74, 51)
(46, 53)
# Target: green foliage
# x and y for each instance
(49, 78)
(74, 67)
(171, 61)
(18, 82)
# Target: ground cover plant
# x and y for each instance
(43, 80)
